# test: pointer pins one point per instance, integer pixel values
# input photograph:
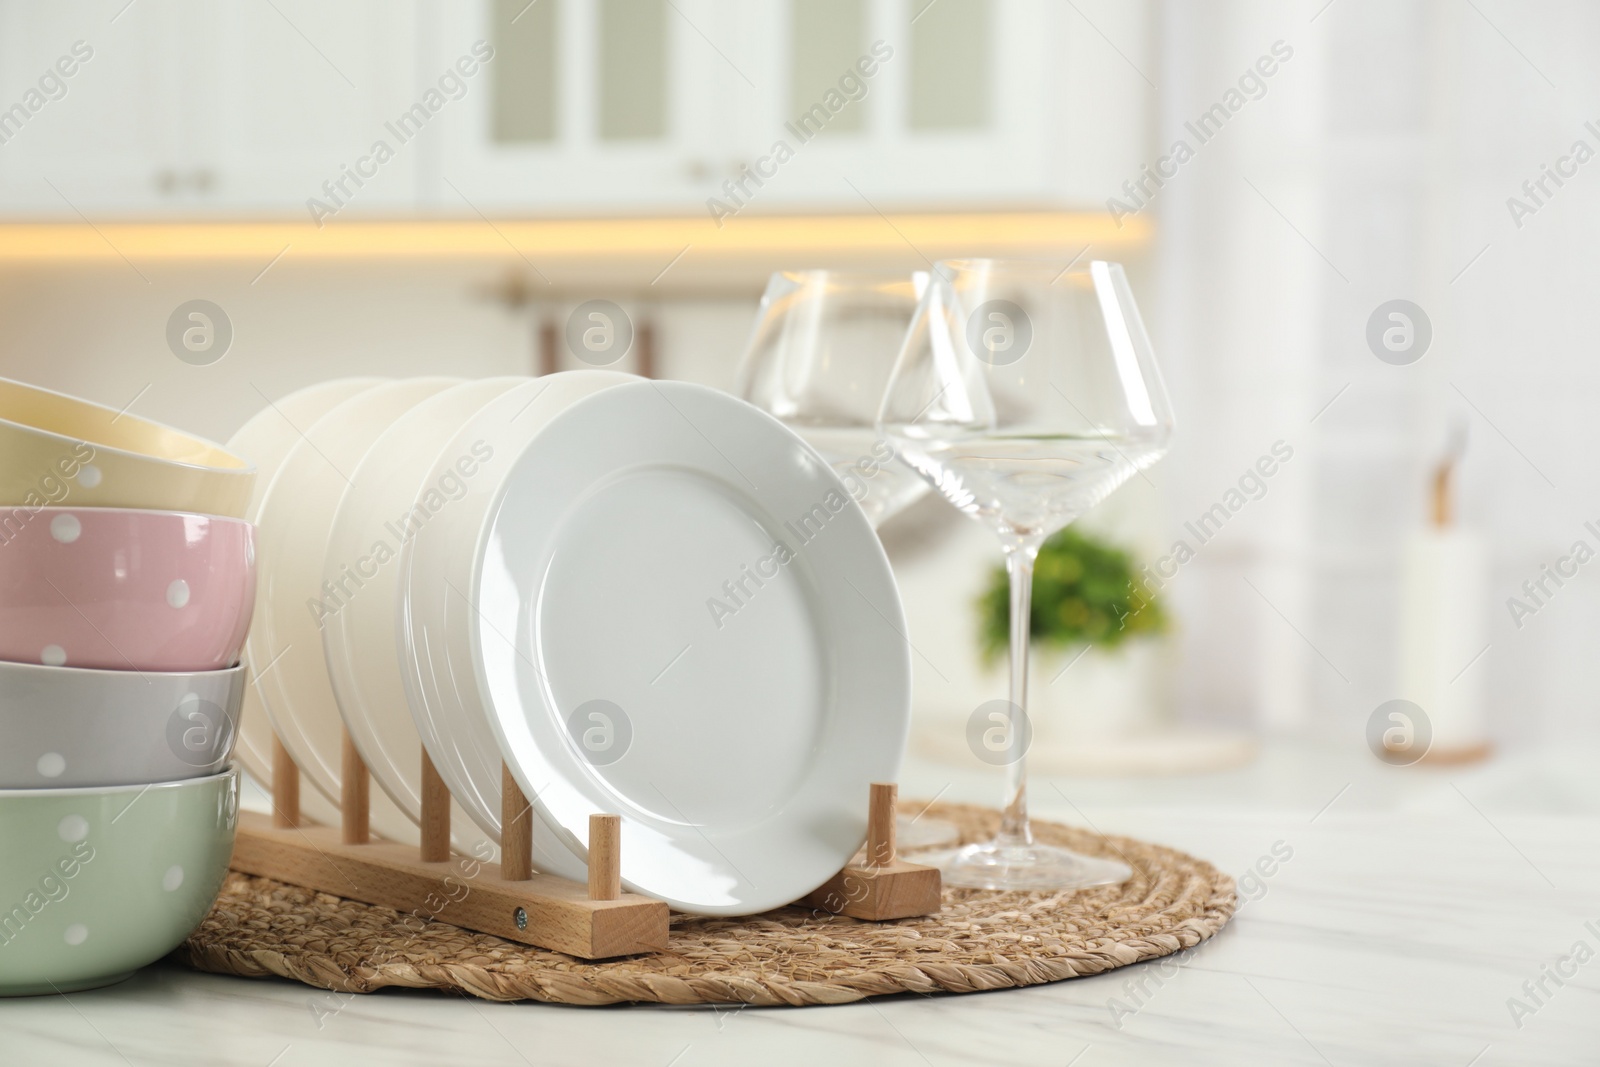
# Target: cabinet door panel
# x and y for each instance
(100, 139)
(594, 105)
(187, 107)
(947, 120)
(298, 97)
(951, 104)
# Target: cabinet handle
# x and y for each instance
(167, 182)
(203, 180)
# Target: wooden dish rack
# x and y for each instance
(509, 899)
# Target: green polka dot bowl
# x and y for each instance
(98, 882)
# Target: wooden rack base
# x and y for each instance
(508, 899)
(883, 886)
(543, 910)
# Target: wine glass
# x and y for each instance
(819, 358)
(1025, 393)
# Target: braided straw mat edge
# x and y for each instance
(981, 940)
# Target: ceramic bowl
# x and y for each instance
(99, 882)
(123, 589)
(57, 449)
(67, 727)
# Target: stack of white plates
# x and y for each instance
(643, 597)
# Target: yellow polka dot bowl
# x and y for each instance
(57, 449)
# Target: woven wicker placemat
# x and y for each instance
(981, 940)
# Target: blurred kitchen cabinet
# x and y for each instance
(715, 105)
(300, 108)
(593, 104)
(296, 95)
(91, 112)
(955, 103)
(179, 107)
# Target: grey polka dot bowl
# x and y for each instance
(97, 883)
(64, 727)
(125, 589)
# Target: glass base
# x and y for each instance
(994, 865)
(913, 835)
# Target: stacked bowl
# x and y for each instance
(127, 580)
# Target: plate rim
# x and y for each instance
(337, 650)
(259, 765)
(305, 446)
(409, 627)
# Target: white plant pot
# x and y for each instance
(1097, 694)
(1104, 712)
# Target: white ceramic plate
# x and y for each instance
(644, 647)
(387, 503)
(434, 612)
(266, 441)
(285, 645)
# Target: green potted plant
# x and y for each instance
(1095, 668)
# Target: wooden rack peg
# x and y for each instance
(516, 830)
(285, 787)
(435, 822)
(882, 886)
(605, 857)
(355, 798)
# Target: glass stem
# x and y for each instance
(1014, 828)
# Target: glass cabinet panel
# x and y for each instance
(951, 64)
(525, 71)
(632, 47)
(826, 38)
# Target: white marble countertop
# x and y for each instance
(1413, 909)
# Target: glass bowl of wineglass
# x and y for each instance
(819, 359)
(1025, 393)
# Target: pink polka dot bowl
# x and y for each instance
(124, 589)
